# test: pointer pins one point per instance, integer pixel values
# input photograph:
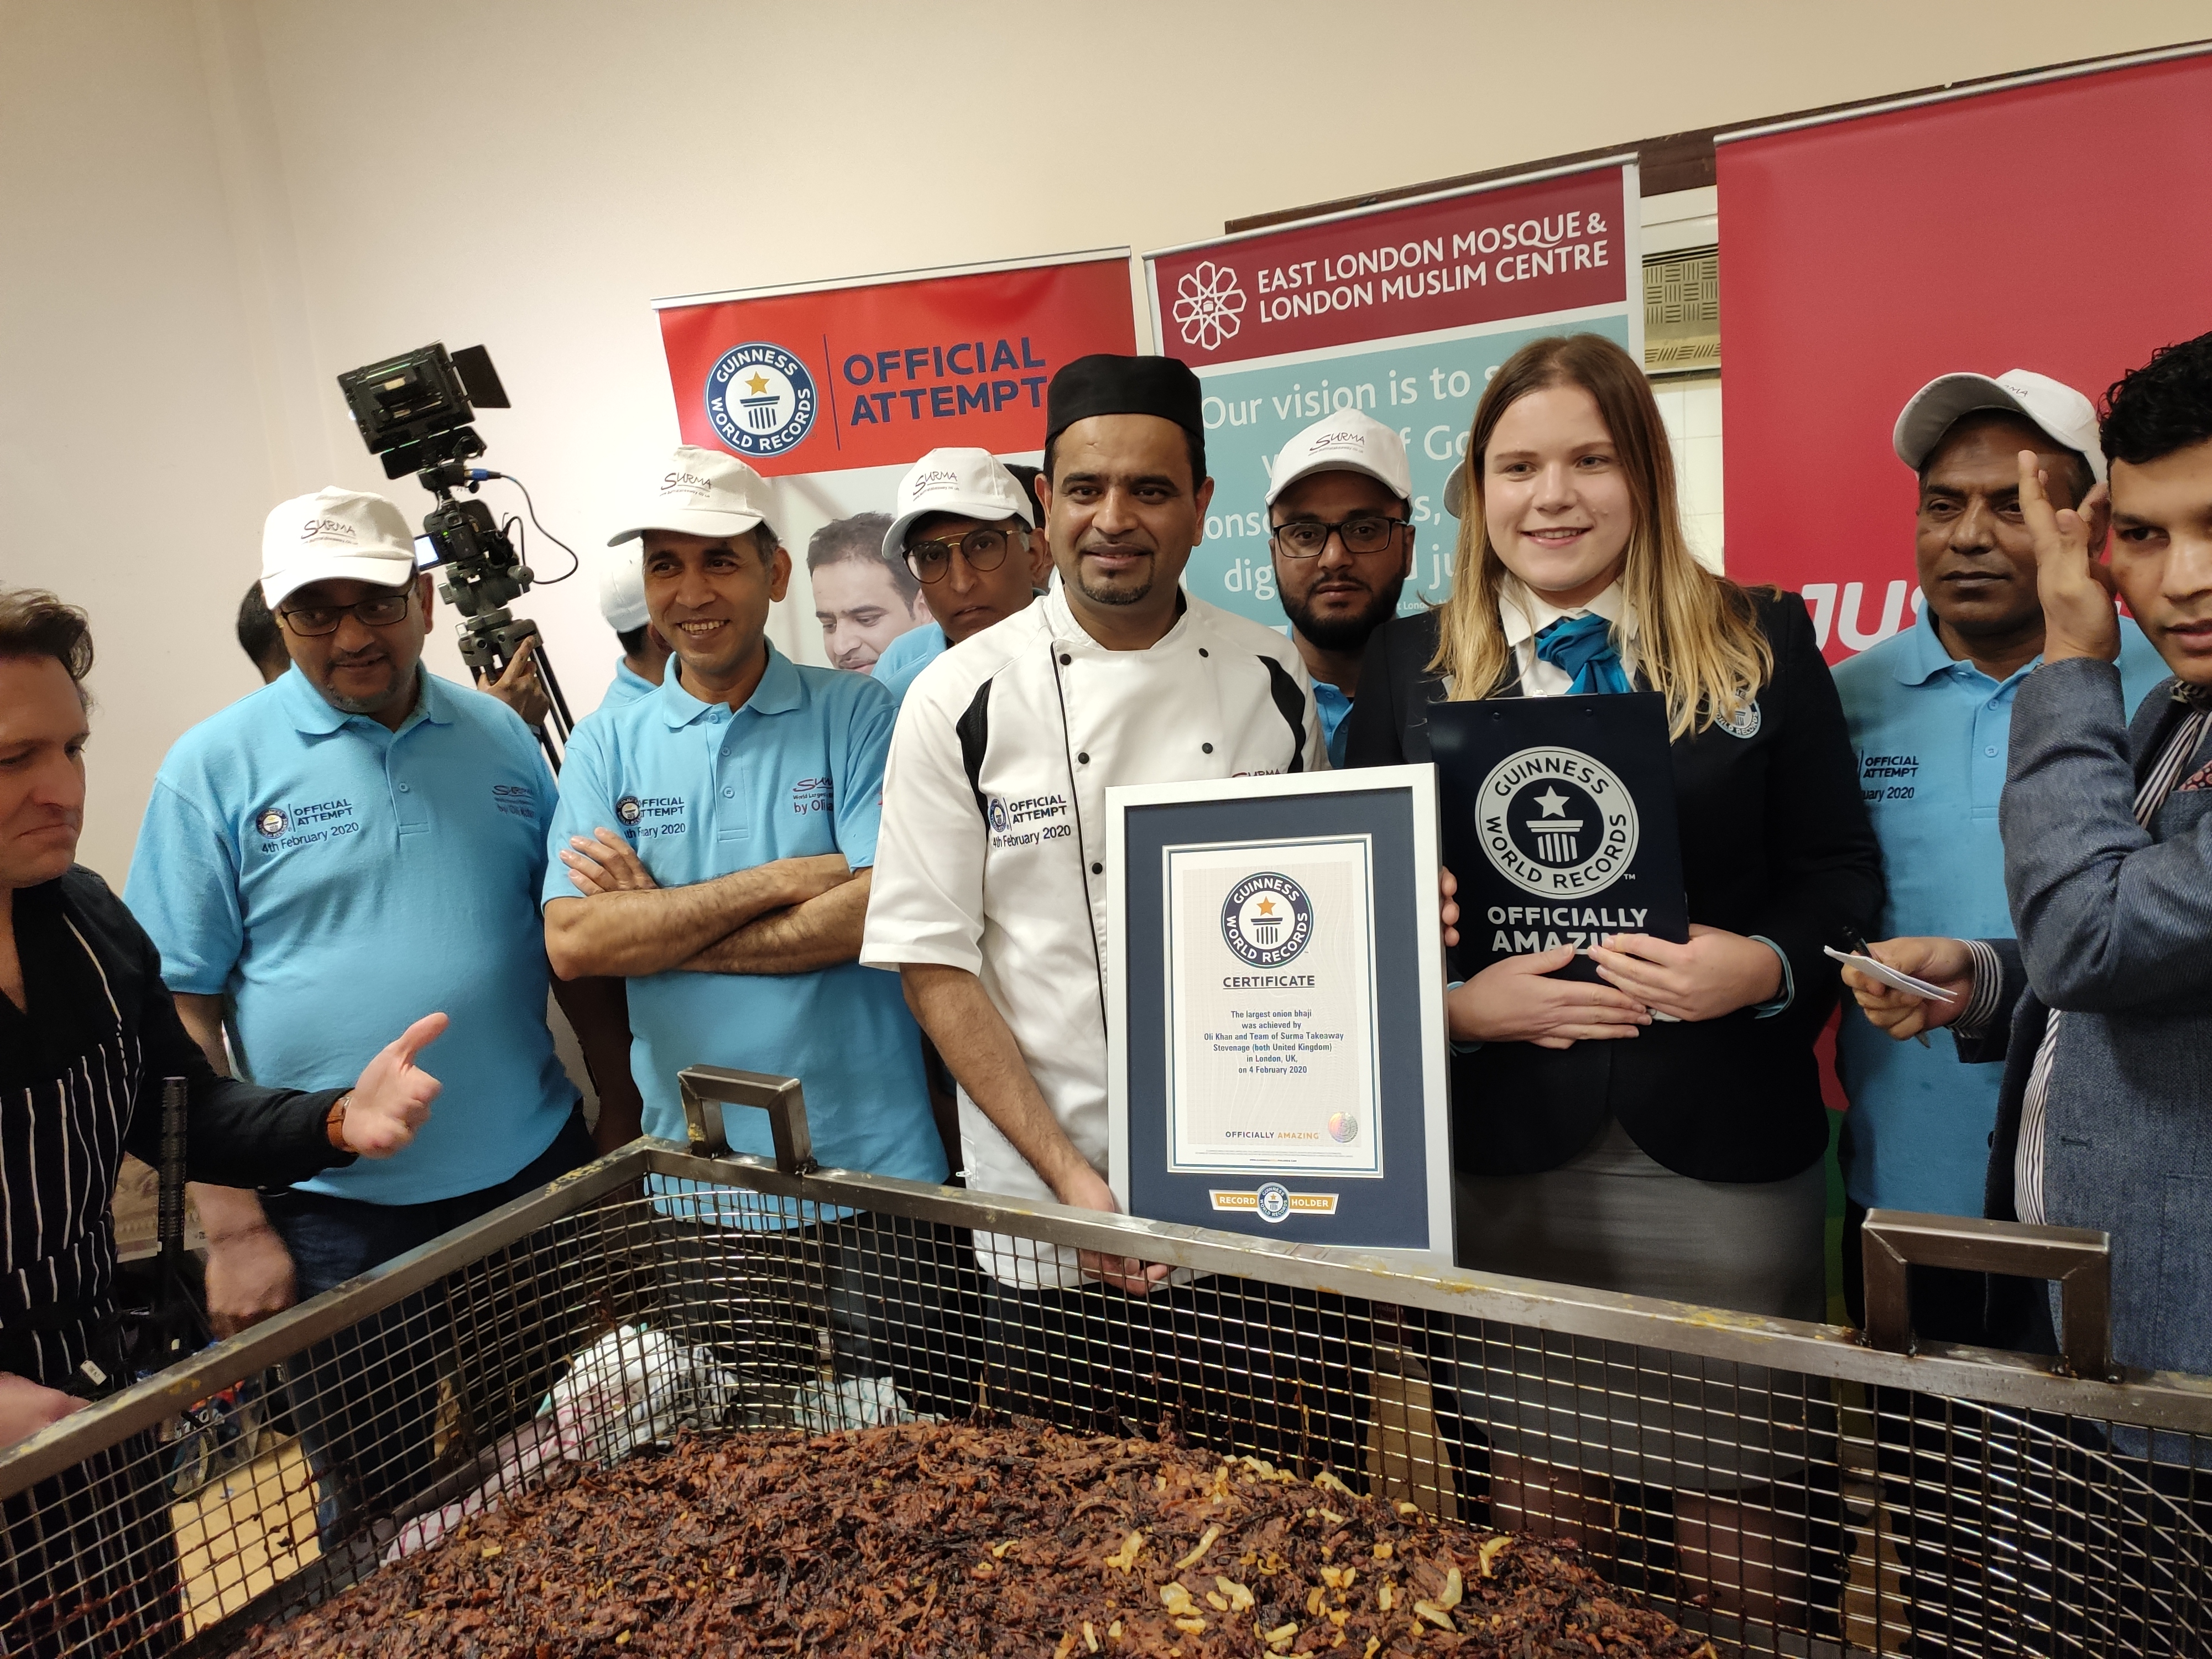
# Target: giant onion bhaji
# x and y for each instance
(962, 1541)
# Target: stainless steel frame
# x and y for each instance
(1971, 1502)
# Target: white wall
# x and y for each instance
(211, 207)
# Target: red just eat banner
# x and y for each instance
(876, 371)
(2059, 225)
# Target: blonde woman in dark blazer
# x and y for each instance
(1659, 1131)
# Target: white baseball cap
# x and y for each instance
(1347, 441)
(2055, 409)
(967, 484)
(1456, 489)
(621, 590)
(702, 492)
(344, 535)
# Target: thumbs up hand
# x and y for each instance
(392, 1099)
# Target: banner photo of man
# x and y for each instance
(833, 390)
(1400, 313)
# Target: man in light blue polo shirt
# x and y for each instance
(355, 844)
(715, 842)
(1931, 713)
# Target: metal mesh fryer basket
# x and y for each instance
(1783, 1486)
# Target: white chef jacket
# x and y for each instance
(992, 856)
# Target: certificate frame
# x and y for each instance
(1390, 1200)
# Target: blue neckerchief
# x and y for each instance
(1583, 646)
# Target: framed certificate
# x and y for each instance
(1275, 1027)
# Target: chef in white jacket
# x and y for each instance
(990, 883)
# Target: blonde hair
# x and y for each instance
(1698, 640)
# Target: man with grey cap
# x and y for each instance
(1930, 715)
(1339, 525)
(966, 528)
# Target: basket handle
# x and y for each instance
(2079, 1258)
(708, 1089)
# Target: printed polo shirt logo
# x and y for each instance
(1028, 820)
(1888, 777)
(811, 795)
(1554, 821)
(515, 800)
(1267, 920)
(308, 823)
(647, 818)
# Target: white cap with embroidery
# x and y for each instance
(701, 492)
(334, 535)
(1347, 441)
(2055, 409)
(967, 484)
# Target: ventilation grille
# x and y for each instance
(1682, 312)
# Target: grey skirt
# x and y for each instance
(1613, 1218)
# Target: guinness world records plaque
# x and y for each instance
(1277, 1054)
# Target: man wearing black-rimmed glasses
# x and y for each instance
(358, 843)
(1339, 515)
(966, 528)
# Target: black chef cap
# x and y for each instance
(1103, 384)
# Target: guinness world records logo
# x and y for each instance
(628, 810)
(761, 399)
(1556, 822)
(1267, 920)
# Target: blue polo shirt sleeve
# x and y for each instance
(183, 890)
(860, 795)
(2141, 668)
(580, 806)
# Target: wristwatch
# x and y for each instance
(334, 1124)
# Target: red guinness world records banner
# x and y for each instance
(877, 370)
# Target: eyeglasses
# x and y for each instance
(309, 621)
(1364, 533)
(984, 550)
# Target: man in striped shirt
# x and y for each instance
(2102, 1011)
(87, 1035)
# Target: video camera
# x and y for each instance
(415, 412)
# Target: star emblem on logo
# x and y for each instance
(757, 384)
(1554, 803)
(1267, 907)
